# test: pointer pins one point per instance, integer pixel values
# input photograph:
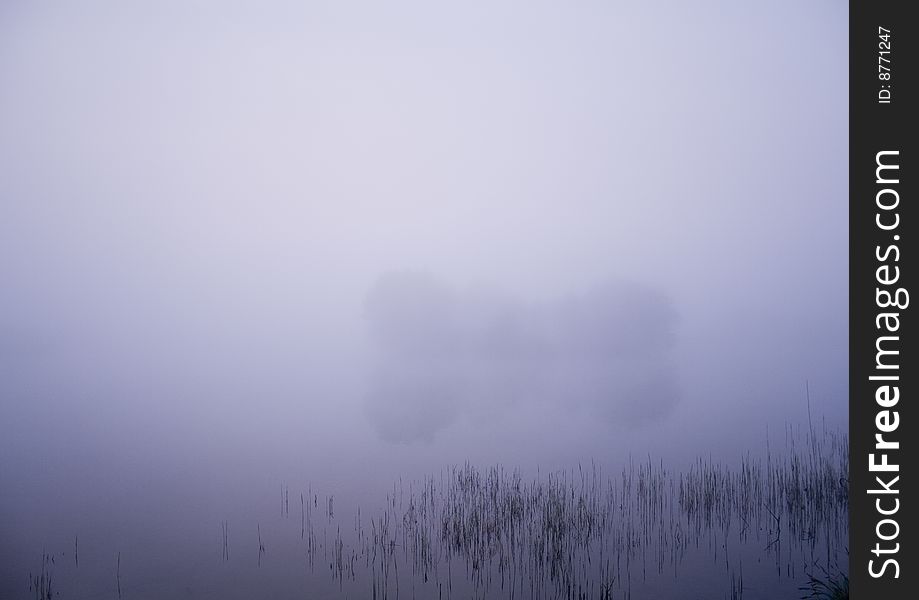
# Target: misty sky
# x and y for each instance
(240, 230)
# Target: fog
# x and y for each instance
(443, 354)
(244, 243)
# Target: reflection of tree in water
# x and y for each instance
(441, 352)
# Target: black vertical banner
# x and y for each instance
(884, 374)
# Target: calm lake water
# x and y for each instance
(756, 527)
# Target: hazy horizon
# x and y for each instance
(247, 243)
